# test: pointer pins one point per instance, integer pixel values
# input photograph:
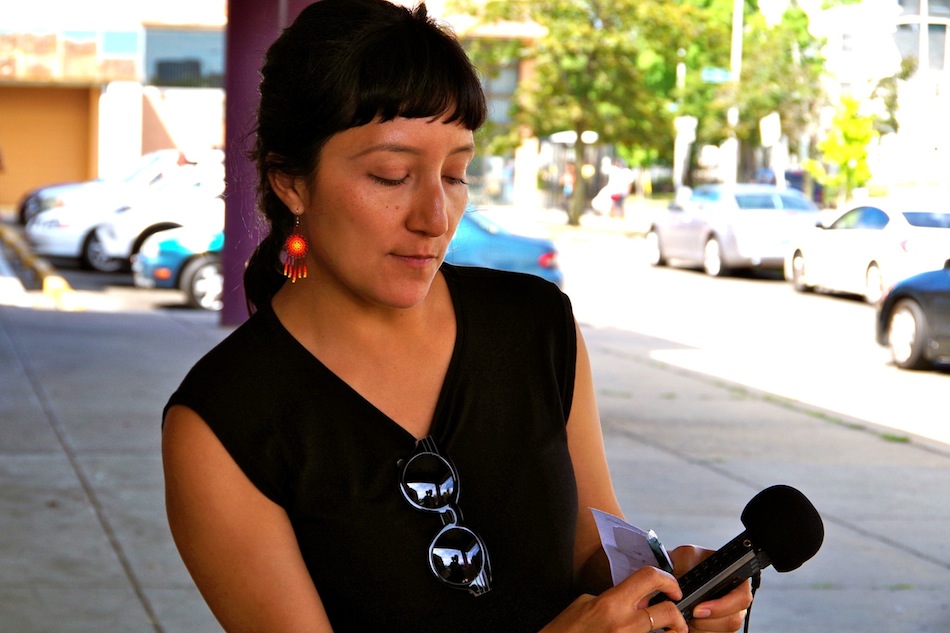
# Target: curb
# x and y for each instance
(53, 285)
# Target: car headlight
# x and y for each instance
(49, 203)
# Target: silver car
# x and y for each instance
(723, 228)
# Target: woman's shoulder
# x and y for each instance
(501, 285)
(248, 361)
(245, 344)
(518, 301)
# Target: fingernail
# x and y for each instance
(702, 613)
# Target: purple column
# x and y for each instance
(252, 26)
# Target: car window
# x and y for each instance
(928, 219)
(484, 222)
(872, 218)
(755, 200)
(847, 221)
(796, 203)
(704, 194)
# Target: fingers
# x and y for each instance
(636, 592)
(644, 583)
(685, 557)
(727, 624)
(723, 614)
(662, 617)
(625, 607)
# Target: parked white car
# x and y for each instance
(870, 247)
(145, 172)
(70, 229)
(121, 235)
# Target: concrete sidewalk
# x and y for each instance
(85, 545)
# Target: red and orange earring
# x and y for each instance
(295, 249)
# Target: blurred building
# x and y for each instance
(87, 87)
(867, 42)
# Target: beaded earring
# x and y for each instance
(295, 249)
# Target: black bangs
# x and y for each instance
(407, 71)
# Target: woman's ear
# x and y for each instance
(290, 189)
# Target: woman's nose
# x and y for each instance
(429, 212)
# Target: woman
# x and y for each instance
(314, 459)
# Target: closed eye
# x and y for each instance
(389, 182)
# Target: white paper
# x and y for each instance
(628, 547)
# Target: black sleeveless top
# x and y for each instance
(329, 458)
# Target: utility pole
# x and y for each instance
(730, 163)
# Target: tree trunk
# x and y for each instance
(575, 207)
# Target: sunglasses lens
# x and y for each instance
(428, 481)
(457, 555)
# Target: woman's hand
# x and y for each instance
(625, 607)
(721, 615)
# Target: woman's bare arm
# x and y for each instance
(237, 544)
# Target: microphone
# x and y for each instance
(782, 528)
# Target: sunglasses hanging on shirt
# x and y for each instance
(457, 556)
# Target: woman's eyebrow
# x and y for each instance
(398, 148)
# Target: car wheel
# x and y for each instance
(94, 257)
(798, 273)
(654, 250)
(202, 280)
(873, 284)
(906, 335)
(712, 258)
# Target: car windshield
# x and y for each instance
(928, 219)
(792, 202)
(143, 169)
(755, 201)
(488, 225)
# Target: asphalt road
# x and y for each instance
(755, 331)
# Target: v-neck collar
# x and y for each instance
(440, 417)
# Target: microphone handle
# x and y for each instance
(724, 570)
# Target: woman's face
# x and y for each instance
(383, 206)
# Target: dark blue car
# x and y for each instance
(913, 320)
(189, 258)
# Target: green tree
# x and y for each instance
(601, 65)
(781, 72)
(846, 149)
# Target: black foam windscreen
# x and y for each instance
(783, 523)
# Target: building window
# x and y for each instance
(907, 38)
(910, 7)
(923, 34)
(184, 57)
(937, 38)
(939, 8)
(499, 90)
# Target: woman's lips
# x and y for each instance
(416, 261)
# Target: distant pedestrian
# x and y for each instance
(568, 180)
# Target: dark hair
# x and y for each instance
(343, 64)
